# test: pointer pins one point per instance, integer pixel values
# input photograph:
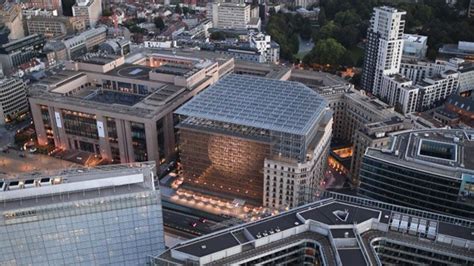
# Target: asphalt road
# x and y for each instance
(182, 223)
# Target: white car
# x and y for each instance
(33, 150)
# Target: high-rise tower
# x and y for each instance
(384, 48)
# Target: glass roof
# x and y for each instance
(283, 106)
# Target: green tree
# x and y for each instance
(327, 51)
(322, 17)
(348, 17)
(159, 23)
(217, 35)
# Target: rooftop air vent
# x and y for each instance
(341, 215)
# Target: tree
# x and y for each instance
(217, 35)
(107, 12)
(327, 51)
(159, 23)
(322, 17)
(271, 11)
(178, 9)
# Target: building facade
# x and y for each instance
(12, 17)
(238, 139)
(384, 48)
(340, 230)
(13, 101)
(426, 169)
(229, 15)
(20, 51)
(54, 26)
(415, 46)
(120, 111)
(373, 135)
(108, 215)
(88, 10)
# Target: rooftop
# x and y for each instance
(276, 105)
(340, 216)
(29, 190)
(446, 152)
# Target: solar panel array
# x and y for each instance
(276, 105)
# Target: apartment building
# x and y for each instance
(228, 15)
(384, 48)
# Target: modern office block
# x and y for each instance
(120, 111)
(13, 102)
(384, 47)
(110, 215)
(88, 10)
(257, 139)
(340, 230)
(427, 169)
(17, 52)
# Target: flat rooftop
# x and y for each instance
(340, 217)
(282, 106)
(131, 71)
(30, 190)
(446, 152)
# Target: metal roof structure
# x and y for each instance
(276, 105)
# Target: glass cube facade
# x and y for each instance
(106, 230)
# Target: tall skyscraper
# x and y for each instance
(109, 215)
(383, 52)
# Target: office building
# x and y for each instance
(117, 46)
(13, 101)
(415, 46)
(88, 10)
(342, 230)
(122, 111)
(257, 139)
(12, 17)
(54, 26)
(109, 215)
(44, 4)
(427, 169)
(229, 15)
(84, 42)
(15, 53)
(384, 47)
(374, 135)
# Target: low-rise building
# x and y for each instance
(86, 41)
(15, 53)
(415, 46)
(339, 230)
(13, 102)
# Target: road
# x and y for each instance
(180, 224)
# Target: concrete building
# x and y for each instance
(417, 70)
(117, 46)
(54, 26)
(463, 107)
(262, 140)
(44, 4)
(415, 46)
(121, 111)
(461, 49)
(12, 17)
(105, 215)
(342, 230)
(229, 15)
(433, 91)
(88, 10)
(374, 135)
(86, 41)
(20, 51)
(263, 43)
(13, 101)
(427, 169)
(383, 52)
